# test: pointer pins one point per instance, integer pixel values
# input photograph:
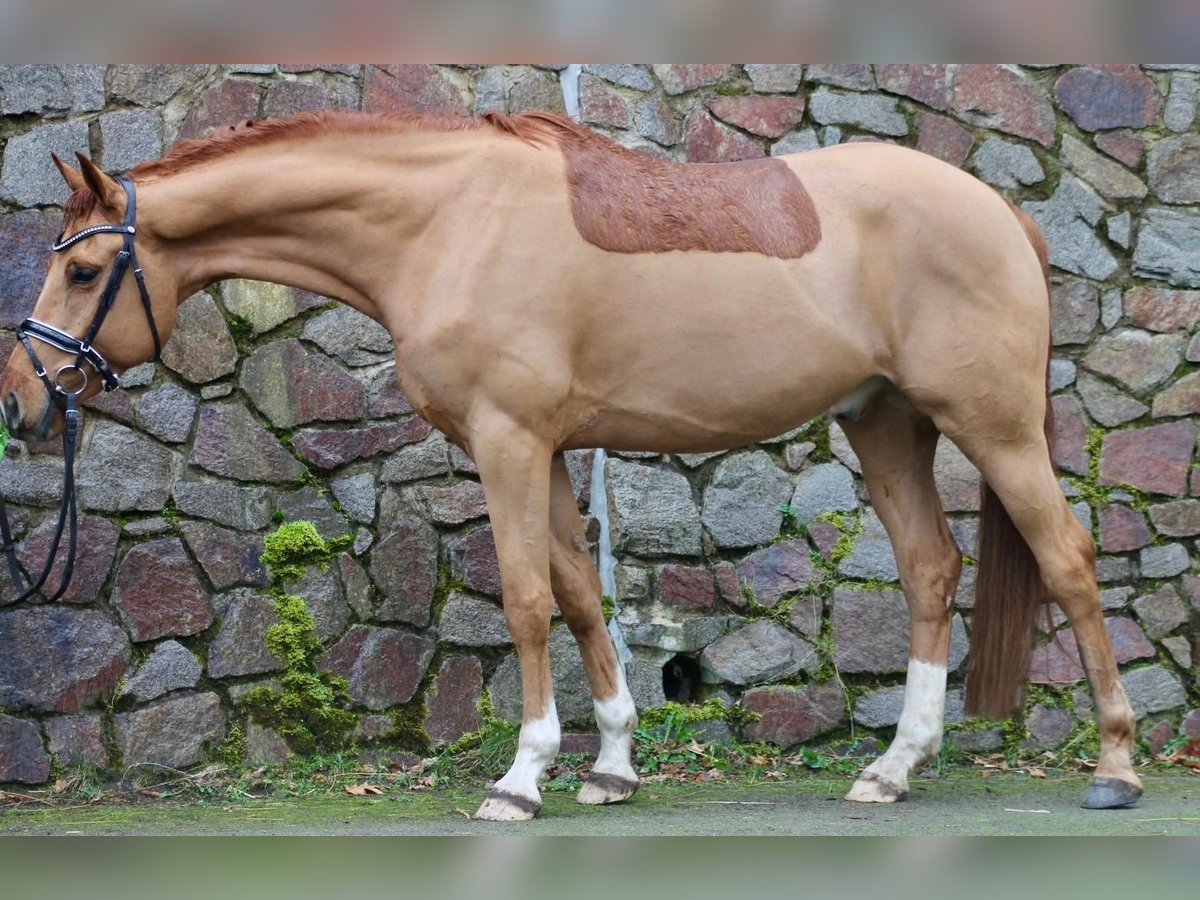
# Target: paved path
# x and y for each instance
(964, 804)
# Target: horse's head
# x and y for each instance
(107, 303)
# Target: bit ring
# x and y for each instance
(69, 368)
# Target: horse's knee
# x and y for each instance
(528, 619)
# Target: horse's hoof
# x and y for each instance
(1111, 793)
(601, 787)
(871, 788)
(505, 806)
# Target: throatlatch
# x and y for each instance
(65, 395)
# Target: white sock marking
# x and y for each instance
(919, 732)
(536, 749)
(616, 718)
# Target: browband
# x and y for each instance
(60, 245)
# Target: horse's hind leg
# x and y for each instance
(577, 589)
(514, 466)
(896, 444)
(1019, 471)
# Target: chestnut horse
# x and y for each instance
(547, 289)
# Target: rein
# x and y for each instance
(66, 513)
(66, 396)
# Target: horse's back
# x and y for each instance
(873, 185)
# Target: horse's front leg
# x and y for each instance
(514, 466)
(577, 589)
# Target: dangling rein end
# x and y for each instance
(67, 517)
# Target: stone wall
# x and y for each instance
(760, 574)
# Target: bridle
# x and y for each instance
(83, 349)
(65, 396)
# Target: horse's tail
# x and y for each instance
(1008, 588)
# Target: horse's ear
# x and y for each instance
(100, 183)
(71, 176)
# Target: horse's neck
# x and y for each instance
(329, 215)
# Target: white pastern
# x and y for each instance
(616, 718)
(918, 734)
(536, 749)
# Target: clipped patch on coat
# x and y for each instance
(629, 202)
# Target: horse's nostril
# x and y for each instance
(12, 410)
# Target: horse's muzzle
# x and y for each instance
(36, 421)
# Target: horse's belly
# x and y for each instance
(697, 413)
(708, 352)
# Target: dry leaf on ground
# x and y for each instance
(1188, 755)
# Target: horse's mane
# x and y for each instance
(531, 127)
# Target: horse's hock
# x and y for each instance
(760, 576)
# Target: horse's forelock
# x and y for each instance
(79, 207)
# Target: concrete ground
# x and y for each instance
(964, 803)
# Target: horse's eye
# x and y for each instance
(83, 276)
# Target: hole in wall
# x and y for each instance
(681, 678)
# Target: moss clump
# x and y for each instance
(826, 648)
(294, 546)
(308, 712)
(817, 431)
(842, 521)
(232, 750)
(608, 606)
(293, 639)
(3, 438)
(241, 331)
(1045, 695)
(447, 583)
(408, 729)
(680, 714)
(781, 612)
(170, 515)
(851, 526)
